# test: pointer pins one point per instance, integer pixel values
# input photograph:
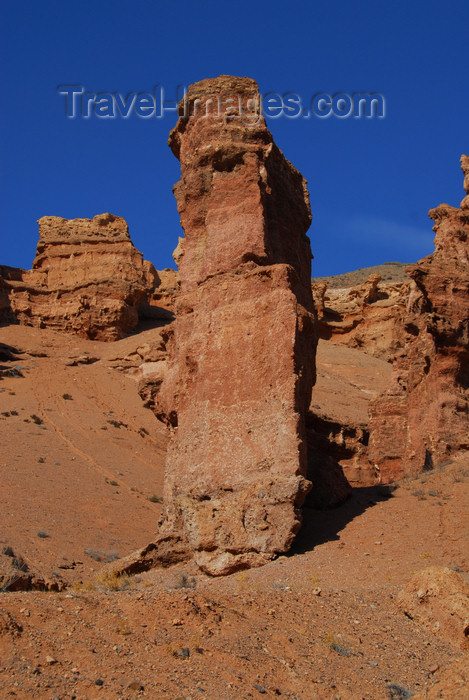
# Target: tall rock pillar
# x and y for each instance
(242, 358)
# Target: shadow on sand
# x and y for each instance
(321, 526)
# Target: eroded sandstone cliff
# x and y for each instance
(423, 418)
(367, 316)
(87, 278)
(242, 352)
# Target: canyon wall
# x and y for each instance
(423, 418)
(242, 349)
(368, 316)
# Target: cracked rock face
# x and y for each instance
(242, 357)
(87, 278)
(423, 418)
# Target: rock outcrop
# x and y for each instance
(5, 308)
(242, 354)
(337, 423)
(161, 300)
(368, 316)
(8, 274)
(87, 278)
(424, 416)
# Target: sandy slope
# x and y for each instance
(88, 468)
(320, 623)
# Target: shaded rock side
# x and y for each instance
(242, 353)
(6, 274)
(87, 278)
(161, 300)
(424, 416)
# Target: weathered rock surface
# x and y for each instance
(161, 301)
(7, 273)
(424, 416)
(241, 361)
(368, 316)
(438, 598)
(16, 575)
(337, 422)
(87, 278)
(5, 308)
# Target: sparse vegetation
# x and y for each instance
(336, 643)
(114, 581)
(185, 581)
(100, 555)
(19, 563)
(398, 692)
(155, 499)
(117, 423)
(83, 586)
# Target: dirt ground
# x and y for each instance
(81, 467)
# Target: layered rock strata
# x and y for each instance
(424, 416)
(242, 354)
(368, 316)
(87, 278)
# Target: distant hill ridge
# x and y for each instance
(392, 272)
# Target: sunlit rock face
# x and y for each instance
(87, 278)
(242, 354)
(424, 417)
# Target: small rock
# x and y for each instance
(260, 689)
(316, 591)
(50, 660)
(135, 685)
(99, 682)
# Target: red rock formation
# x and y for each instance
(241, 363)
(162, 298)
(5, 308)
(368, 316)
(423, 417)
(87, 278)
(6, 275)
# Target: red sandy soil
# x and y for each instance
(321, 622)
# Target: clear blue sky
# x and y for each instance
(371, 182)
